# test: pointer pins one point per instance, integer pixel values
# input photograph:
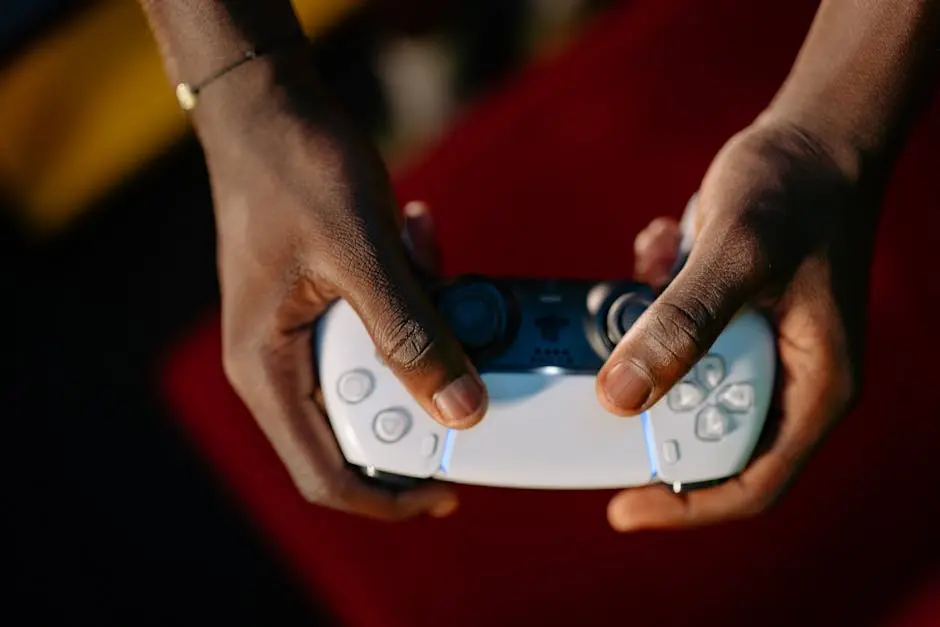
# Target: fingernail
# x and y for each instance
(445, 508)
(416, 209)
(627, 387)
(460, 399)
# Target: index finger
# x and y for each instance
(743, 496)
(355, 496)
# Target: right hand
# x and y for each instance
(305, 215)
(785, 221)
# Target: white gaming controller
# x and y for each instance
(538, 345)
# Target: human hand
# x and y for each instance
(781, 225)
(305, 215)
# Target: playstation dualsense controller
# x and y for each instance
(538, 345)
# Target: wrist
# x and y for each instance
(272, 117)
(255, 94)
(861, 80)
(198, 39)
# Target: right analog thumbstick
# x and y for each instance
(623, 314)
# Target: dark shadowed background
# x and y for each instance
(137, 491)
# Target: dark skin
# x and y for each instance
(785, 220)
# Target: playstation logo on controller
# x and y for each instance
(551, 326)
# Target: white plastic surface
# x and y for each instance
(747, 350)
(343, 346)
(546, 430)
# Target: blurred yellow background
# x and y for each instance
(87, 104)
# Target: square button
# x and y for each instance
(685, 396)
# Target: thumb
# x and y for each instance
(411, 337)
(680, 326)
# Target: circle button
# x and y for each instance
(355, 385)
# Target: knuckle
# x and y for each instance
(245, 364)
(239, 339)
(332, 494)
(662, 336)
(315, 494)
(234, 366)
(756, 504)
(680, 329)
(381, 289)
(404, 341)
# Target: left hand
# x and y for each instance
(780, 225)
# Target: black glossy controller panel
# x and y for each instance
(519, 325)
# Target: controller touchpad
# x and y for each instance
(560, 439)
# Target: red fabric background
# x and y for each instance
(553, 177)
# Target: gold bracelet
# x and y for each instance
(187, 94)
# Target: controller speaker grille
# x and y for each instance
(547, 356)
